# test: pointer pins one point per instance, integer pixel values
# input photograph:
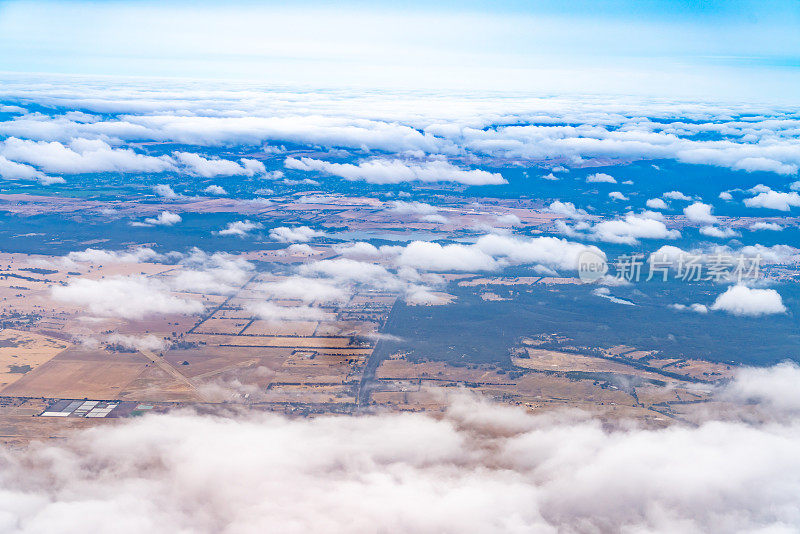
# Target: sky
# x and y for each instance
(726, 50)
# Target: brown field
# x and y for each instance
(552, 360)
(518, 281)
(287, 328)
(222, 326)
(77, 379)
(283, 341)
(23, 352)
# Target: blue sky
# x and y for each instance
(727, 49)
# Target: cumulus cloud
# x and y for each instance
(746, 301)
(197, 165)
(721, 233)
(165, 191)
(476, 467)
(269, 311)
(509, 219)
(697, 308)
(761, 225)
(547, 251)
(488, 253)
(627, 230)
(240, 228)
(601, 177)
(253, 167)
(752, 164)
(657, 204)
(148, 342)
(101, 257)
(416, 208)
(699, 212)
(215, 190)
(351, 271)
(774, 200)
(774, 386)
(773, 254)
(357, 249)
(430, 256)
(301, 249)
(81, 156)
(568, 209)
(11, 170)
(165, 218)
(383, 171)
(128, 297)
(616, 195)
(494, 130)
(299, 234)
(676, 195)
(217, 273)
(306, 289)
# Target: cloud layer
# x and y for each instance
(476, 468)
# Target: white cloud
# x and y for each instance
(435, 218)
(357, 249)
(197, 165)
(601, 177)
(657, 204)
(630, 229)
(269, 311)
(759, 188)
(764, 164)
(218, 273)
(148, 342)
(129, 297)
(605, 293)
(102, 257)
(493, 130)
(774, 386)
(215, 190)
(761, 225)
(742, 300)
(253, 167)
(476, 467)
(383, 171)
(697, 308)
(300, 234)
(430, 256)
(165, 218)
(509, 219)
(81, 156)
(616, 195)
(774, 200)
(676, 195)
(11, 170)
(306, 289)
(699, 212)
(165, 191)
(566, 208)
(773, 254)
(721, 233)
(548, 251)
(301, 249)
(725, 195)
(417, 208)
(240, 228)
(351, 271)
